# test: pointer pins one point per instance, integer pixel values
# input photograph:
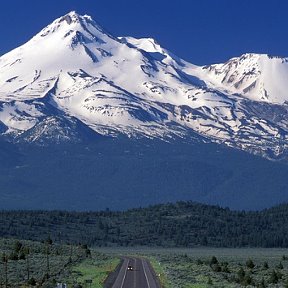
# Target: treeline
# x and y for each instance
(184, 224)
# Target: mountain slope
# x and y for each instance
(135, 87)
(255, 76)
(120, 173)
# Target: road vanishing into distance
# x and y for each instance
(142, 274)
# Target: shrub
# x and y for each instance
(17, 246)
(265, 266)
(213, 260)
(22, 256)
(225, 268)
(247, 280)
(274, 277)
(199, 262)
(209, 282)
(262, 284)
(241, 274)
(31, 282)
(280, 266)
(250, 264)
(216, 267)
(13, 256)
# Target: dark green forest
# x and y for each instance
(184, 224)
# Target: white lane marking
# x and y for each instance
(145, 273)
(125, 274)
(134, 268)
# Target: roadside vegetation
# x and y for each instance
(92, 272)
(160, 272)
(44, 264)
(214, 267)
(239, 268)
(37, 264)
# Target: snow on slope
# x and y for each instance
(154, 49)
(75, 70)
(258, 77)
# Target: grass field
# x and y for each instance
(96, 269)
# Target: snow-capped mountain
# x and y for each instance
(75, 74)
(258, 77)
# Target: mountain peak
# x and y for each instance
(72, 21)
(73, 13)
(259, 77)
(71, 17)
(74, 17)
(256, 57)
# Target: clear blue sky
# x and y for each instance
(200, 31)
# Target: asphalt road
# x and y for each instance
(142, 275)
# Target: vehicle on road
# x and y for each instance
(130, 268)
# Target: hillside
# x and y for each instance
(184, 224)
(126, 173)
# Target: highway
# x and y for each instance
(142, 275)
